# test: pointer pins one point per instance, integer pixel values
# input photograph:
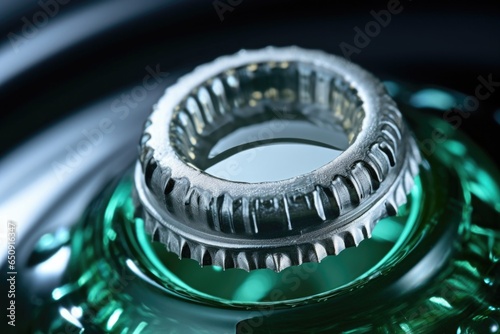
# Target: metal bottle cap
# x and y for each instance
(280, 223)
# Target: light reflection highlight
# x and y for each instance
(433, 98)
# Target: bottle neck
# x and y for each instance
(388, 246)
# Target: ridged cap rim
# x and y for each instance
(215, 221)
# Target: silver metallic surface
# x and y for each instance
(281, 223)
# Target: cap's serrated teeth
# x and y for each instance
(282, 259)
(300, 256)
(242, 261)
(206, 257)
(329, 246)
(185, 249)
(366, 229)
(400, 195)
(197, 253)
(320, 251)
(277, 261)
(357, 235)
(172, 243)
(156, 235)
(254, 260)
(408, 182)
(222, 259)
(391, 207)
(310, 253)
(285, 262)
(329, 202)
(150, 224)
(415, 158)
(272, 261)
(338, 243)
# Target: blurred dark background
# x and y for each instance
(58, 56)
(67, 65)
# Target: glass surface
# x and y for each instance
(432, 268)
(276, 150)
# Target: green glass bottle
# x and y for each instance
(429, 265)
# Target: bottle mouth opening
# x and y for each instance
(228, 125)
